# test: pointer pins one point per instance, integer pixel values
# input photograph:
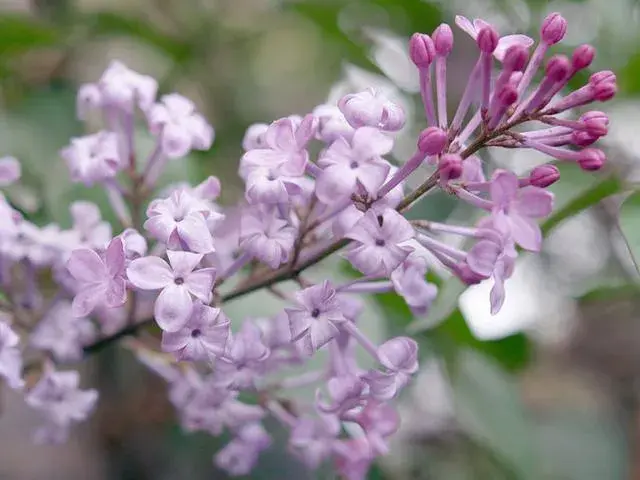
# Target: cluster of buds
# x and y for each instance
(178, 267)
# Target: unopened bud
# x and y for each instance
(591, 159)
(604, 91)
(558, 68)
(583, 56)
(487, 39)
(515, 58)
(443, 39)
(544, 175)
(450, 166)
(604, 76)
(421, 50)
(553, 29)
(432, 140)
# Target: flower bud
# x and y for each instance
(89, 97)
(604, 76)
(596, 127)
(450, 166)
(421, 50)
(591, 159)
(487, 39)
(400, 354)
(604, 91)
(583, 56)
(443, 39)
(516, 57)
(432, 140)
(544, 175)
(254, 137)
(508, 95)
(558, 68)
(583, 138)
(553, 29)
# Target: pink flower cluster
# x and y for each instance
(178, 267)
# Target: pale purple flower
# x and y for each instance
(244, 361)
(254, 137)
(371, 108)
(285, 149)
(178, 281)
(135, 245)
(240, 455)
(10, 357)
(346, 392)
(204, 336)
(266, 185)
(59, 399)
(92, 231)
(180, 221)
(316, 318)
(100, 278)
(10, 171)
(180, 128)
(63, 334)
(379, 421)
(93, 158)
(409, 281)
(27, 241)
(386, 385)
(266, 237)
(331, 124)
(399, 354)
(120, 88)
(503, 44)
(379, 239)
(312, 438)
(517, 208)
(358, 162)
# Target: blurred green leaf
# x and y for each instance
(490, 410)
(21, 33)
(630, 225)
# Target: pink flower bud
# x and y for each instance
(553, 28)
(516, 57)
(544, 175)
(591, 159)
(487, 39)
(582, 138)
(604, 91)
(450, 166)
(583, 56)
(596, 127)
(604, 76)
(558, 68)
(443, 39)
(432, 140)
(595, 115)
(508, 95)
(421, 50)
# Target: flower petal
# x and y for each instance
(173, 308)
(87, 299)
(150, 273)
(85, 265)
(194, 233)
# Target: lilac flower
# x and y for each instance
(331, 124)
(266, 237)
(345, 392)
(409, 282)
(25, 241)
(93, 158)
(244, 361)
(285, 148)
(180, 221)
(100, 279)
(379, 421)
(384, 386)
(63, 334)
(347, 164)
(180, 129)
(400, 354)
(517, 208)
(202, 338)
(93, 232)
(378, 242)
(178, 280)
(254, 137)
(240, 455)
(370, 108)
(312, 439)
(10, 356)
(135, 245)
(316, 317)
(59, 399)
(266, 185)
(503, 44)
(10, 171)
(120, 88)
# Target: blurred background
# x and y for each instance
(547, 389)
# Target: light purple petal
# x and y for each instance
(465, 24)
(504, 188)
(87, 299)
(86, 266)
(482, 257)
(150, 273)
(173, 308)
(9, 170)
(115, 257)
(200, 283)
(183, 263)
(116, 293)
(534, 202)
(507, 41)
(335, 182)
(525, 232)
(194, 232)
(160, 226)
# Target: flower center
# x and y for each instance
(380, 242)
(196, 332)
(178, 280)
(354, 165)
(315, 313)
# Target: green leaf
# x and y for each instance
(21, 33)
(630, 225)
(490, 410)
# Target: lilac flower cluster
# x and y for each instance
(178, 267)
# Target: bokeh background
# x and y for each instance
(547, 389)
